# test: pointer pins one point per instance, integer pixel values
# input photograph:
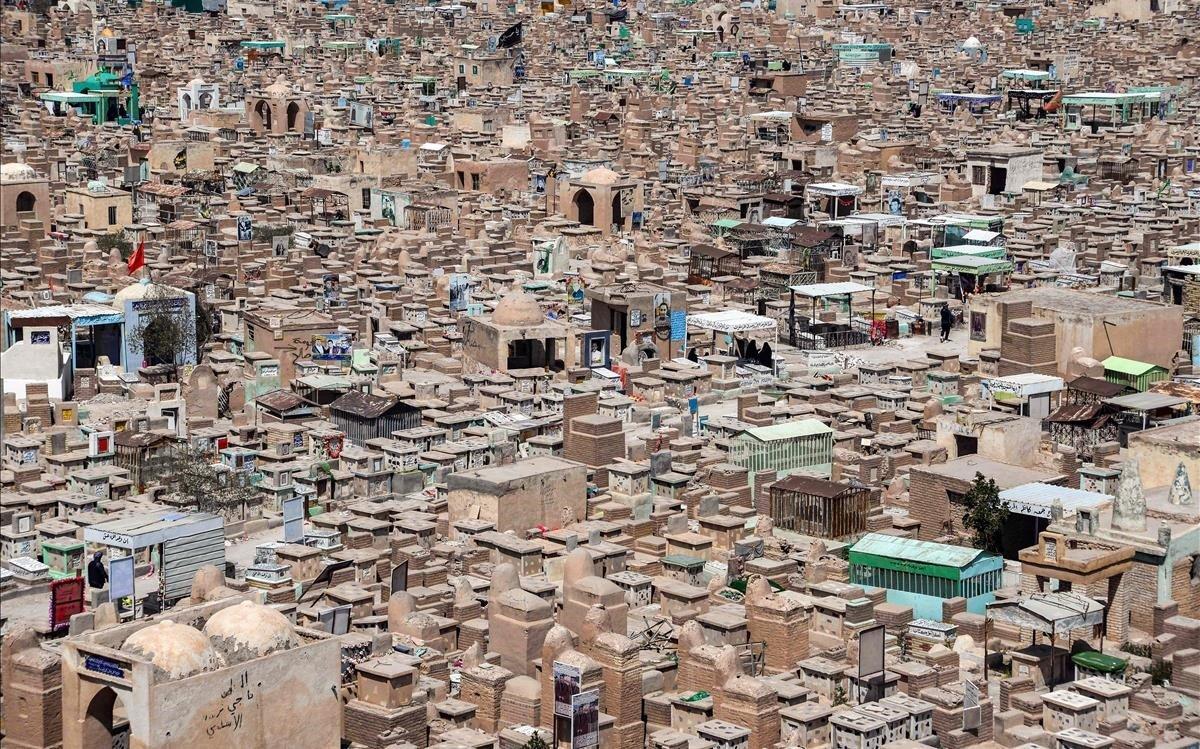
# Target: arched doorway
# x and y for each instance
(158, 339)
(293, 111)
(26, 202)
(617, 218)
(263, 110)
(187, 103)
(585, 208)
(106, 724)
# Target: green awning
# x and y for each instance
(727, 223)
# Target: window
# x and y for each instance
(366, 198)
(978, 175)
(978, 326)
(474, 181)
(474, 70)
(112, 215)
(462, 69)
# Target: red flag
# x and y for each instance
(138, 258)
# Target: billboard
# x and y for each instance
(585, 720)
(566, 685)
(331, 347)
(460, 291)
(362, 115)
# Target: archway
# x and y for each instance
(205, 101)
(187, 103)
(105, 725)
(26, 202)
(618, 219)
(263, 110)
(585, 208)
(158, 338)
(293, 111)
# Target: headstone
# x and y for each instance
(660, 462)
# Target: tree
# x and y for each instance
(536, 742)
(166, 332)
(106, 242)
(985, 516)
(191, 478)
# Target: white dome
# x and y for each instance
(177, 649)
(140, 290)
(250, 630)
(971, 43)
(17, 172)
(518, 309)
(600, 176)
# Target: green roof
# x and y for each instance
(1127, 366)
(882, 548)
(1094, 660)
(682, 560)
(728, 223)
(789, 430)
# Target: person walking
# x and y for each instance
(97, 575)
(947, 322)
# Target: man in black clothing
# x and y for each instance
(97, 575)
(947, 322)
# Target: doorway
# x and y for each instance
(585, 208)
(997, 179)
(965, 444)
(106, 724)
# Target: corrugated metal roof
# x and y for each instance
(1147, 401)
(1036, 499)
(1127, 366)
(912, 550)
(841, 288)
(789, 430)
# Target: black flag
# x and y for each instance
(511, 37)
(619, 14)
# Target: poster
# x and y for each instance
(331, 288)
(566, 685)
(279, 244)
(362, 115)
(585, 720)
(388, 201)
(460, 291)
(331, 347)
(245, 228)
(596, 348)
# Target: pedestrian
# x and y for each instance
(97, 575)
(947, 322)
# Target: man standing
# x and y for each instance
(97, 575)
(947, 322)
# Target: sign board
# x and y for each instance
(293, 520)
(870, 652)
(331, 347)
(245, 228)
(460, 291)
(971, 708)
(121, 574)
(66, 600)
(566, 685)
(585, 720)
(399, 580)
(279, 244)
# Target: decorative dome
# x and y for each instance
(971, 43)
(250, 630)
(517, 309)
(196, 82)
(140, 290)
(600, 176)
(280, 87)
(17, 172)
(177, 649)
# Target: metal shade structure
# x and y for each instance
(1052, 613)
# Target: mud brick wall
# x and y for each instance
(366, 724)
